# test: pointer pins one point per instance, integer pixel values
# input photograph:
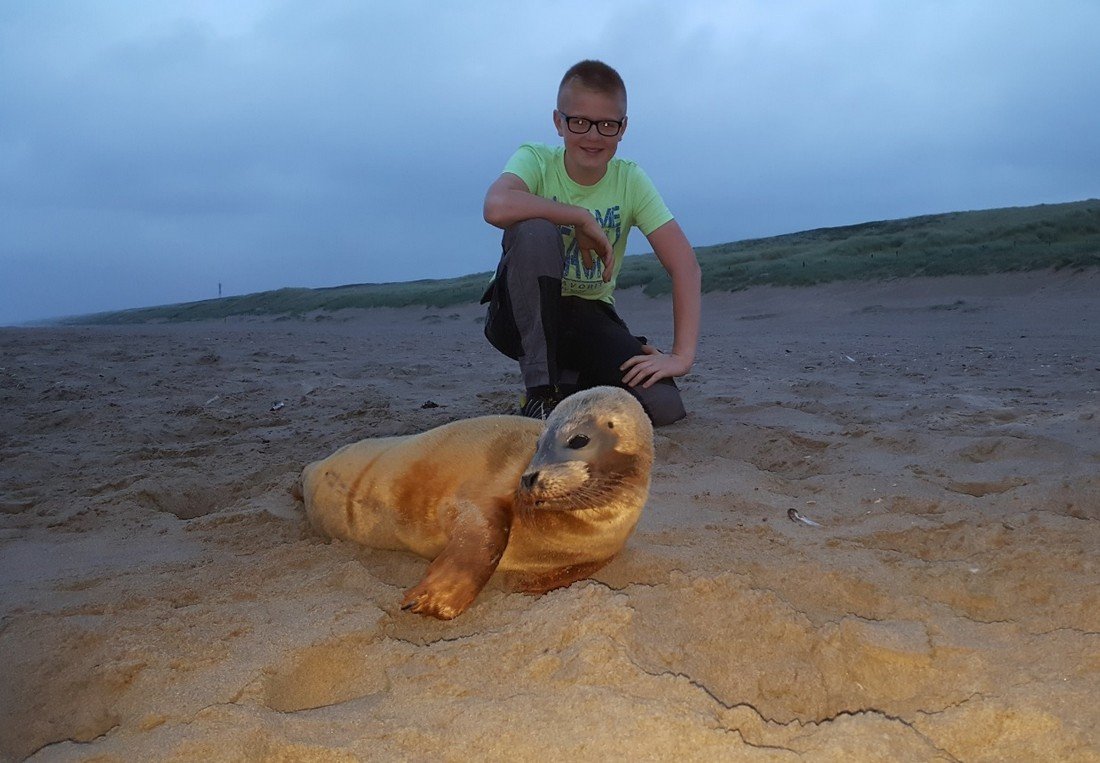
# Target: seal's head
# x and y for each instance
(597, 447)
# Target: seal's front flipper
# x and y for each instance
(478, 537)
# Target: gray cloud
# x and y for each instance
(147, 153)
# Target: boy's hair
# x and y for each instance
(596, 76)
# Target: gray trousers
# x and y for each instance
(565, 342)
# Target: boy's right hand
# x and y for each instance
(592, 239)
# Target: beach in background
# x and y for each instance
(163, 599)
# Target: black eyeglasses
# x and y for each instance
(608, 128)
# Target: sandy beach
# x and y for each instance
(163, 599)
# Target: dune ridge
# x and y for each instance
(1015, 239)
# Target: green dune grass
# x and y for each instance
(1048, 236)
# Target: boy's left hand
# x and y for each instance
(652, 366)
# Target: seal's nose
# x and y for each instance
(528, 480)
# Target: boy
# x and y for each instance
(565, 213)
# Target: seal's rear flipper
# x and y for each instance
(559, 578)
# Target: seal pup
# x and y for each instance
(549, 501)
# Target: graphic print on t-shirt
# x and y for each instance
(579, 278)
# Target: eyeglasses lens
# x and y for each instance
(580, 126)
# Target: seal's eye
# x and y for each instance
(577, 441)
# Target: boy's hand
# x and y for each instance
(652, 366)
(591, 238)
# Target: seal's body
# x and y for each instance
(551, 502)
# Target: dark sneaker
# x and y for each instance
(538, 406)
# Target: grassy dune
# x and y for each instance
(958, 243)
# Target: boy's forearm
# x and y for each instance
(686, 308)
(678, 259)
(507, 207)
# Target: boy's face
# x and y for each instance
(587, 155)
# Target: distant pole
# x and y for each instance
(219, 289)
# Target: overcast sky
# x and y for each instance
(152, 150)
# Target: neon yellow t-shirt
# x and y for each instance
(625, 197)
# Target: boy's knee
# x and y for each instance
(533, 248)
(662, 402)
(535, 227)
(535, 234)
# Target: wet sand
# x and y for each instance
(163, 599)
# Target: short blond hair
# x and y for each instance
(596, 76)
